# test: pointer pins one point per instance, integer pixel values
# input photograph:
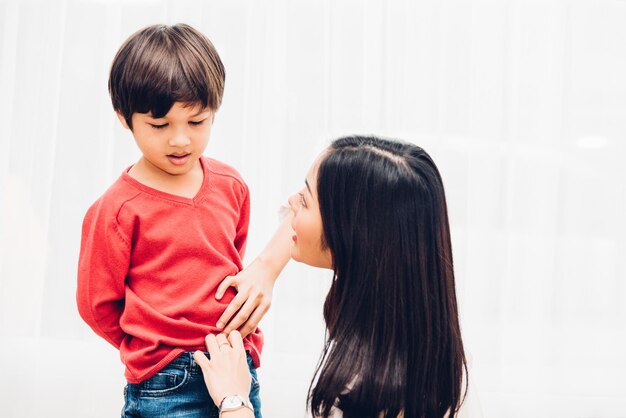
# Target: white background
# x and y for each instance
(522, 104)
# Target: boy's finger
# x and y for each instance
(211, 344)
(221, 289)
(230, 310)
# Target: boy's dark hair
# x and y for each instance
(162, 64)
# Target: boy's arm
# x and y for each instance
(102, 268)
(255, 283)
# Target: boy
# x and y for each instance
(156, 246)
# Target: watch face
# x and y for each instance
(233, 401)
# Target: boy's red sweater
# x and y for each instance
(150, 263)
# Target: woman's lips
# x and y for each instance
(178, 159)
(294, 238)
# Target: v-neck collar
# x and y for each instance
(204, 163)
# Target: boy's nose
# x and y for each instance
(179, 140)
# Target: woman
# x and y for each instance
(373, 211)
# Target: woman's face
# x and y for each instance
(307, 223)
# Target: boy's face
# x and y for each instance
(174, 143)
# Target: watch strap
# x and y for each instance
(233, 403)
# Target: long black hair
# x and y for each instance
(393, 337)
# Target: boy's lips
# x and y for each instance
(178, 159)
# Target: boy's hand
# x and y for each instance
(254, 296)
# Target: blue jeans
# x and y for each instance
(178, 390)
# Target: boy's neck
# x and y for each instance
(185, 185)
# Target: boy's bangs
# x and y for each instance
(174, 83)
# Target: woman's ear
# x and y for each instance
(122, 120)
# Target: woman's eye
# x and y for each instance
(302, 201)
(158, 126)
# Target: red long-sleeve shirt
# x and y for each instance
(150, 263)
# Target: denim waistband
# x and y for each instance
(186, 360)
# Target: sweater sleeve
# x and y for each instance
(102, 268)
(244, 221)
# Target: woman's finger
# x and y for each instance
(242, 316)
(201, 359)
(253, 321)
(231, 309)
(222, 342)
(221, 289)
(235, 340)
(212, 345)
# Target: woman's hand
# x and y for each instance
(254, 296)
(226, 373)
(255, 283)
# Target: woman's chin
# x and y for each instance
(322, 260)
(294, 254)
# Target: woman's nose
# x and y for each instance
(293, 202)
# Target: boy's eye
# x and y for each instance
(196, 123)
(155, 126)
(302, 201)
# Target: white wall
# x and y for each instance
(521, 103)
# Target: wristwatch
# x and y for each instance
(233, 403)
